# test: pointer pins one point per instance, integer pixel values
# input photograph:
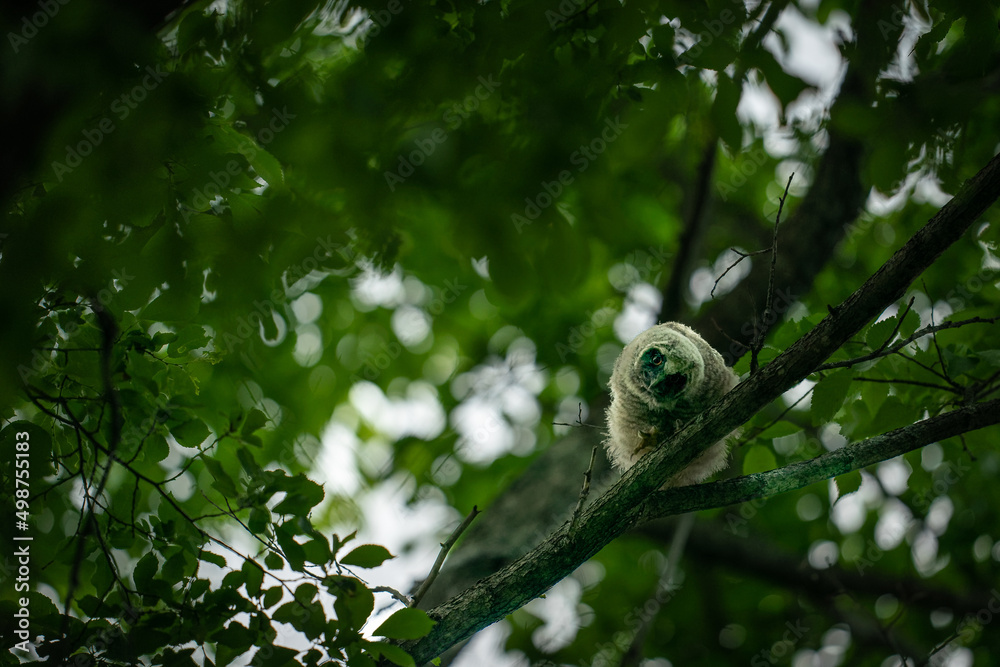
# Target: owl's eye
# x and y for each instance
(655, 357)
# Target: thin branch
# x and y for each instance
(915, 383)
(886, 351)
(399, 597)
(832, 464)
(769, 317)
(445, 548)
(899, 323)
(741, 256)
(110, 394)
(585, 491)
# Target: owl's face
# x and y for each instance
(666, 368)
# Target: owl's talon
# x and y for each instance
(647, 439)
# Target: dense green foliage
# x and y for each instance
(230, 226)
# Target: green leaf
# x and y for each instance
(272, 596)
(275, 656)
(992, 357)
(878, 333)
(394, 654)
(758, 459)
(354, 601)
(305, 495)
(848, 483)
(265, 164)
(24, 437)
(189, 338)
(780, 429)
(259, 520)
(248, 462)
(909, 325)
(191, 433)
(144, 570)
(255, 420)
(317, 551)
(254, 577)
(828, 396)
(236, 637)
(223, 482)
(306, 592)
(723, 112)
(176, 567)
(367, 555)
(213, 558)
(173, 305)
(291, 549)
(958, 361)
(894, 414)
(155, 448)
(273, 561)
(406, 623)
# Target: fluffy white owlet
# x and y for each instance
(664, 377)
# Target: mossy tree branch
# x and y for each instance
(798, 475)
(624, 504)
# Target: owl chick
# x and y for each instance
(664, 377)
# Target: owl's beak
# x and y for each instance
(670, 385)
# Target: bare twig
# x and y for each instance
(400, 597)
(885, 351)
(445, 548)
(584, 491)
(109, 331)
(742, 255)
(759, 334)
(579, 419)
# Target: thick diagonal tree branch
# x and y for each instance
(506, 531)
(623, 505)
